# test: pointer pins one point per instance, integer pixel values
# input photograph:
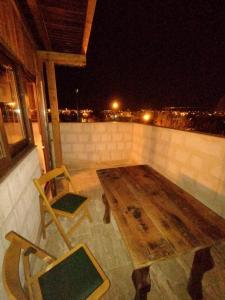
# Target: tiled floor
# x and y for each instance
(169, 278)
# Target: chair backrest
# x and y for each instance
(11, 262)
(48, 177)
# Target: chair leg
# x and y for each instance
(26, 264)
(85, 214)
(62, 232)
(72, 229)
(42, 213)
(88, 215)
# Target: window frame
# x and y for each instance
(4, 161)
(14, 152)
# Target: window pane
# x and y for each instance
(9, 104)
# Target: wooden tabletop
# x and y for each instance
(156, 218)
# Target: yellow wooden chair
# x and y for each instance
(65, 204)
(75, 275)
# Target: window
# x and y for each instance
(9, 103)
(13, 131)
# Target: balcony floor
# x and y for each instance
(169, 278)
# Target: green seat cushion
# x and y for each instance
(74, 278)
(69, 202)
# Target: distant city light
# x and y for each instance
(115, 105)
(146, 117)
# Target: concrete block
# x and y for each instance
(71, 138)
(76, 127)
(126, 137)
(94, 157)
(106, 137)
(87, 127)
(196, 162)
(179, 155)
(105, 156)
(90, 147)
(83, 138)
(78, 147)
(82, 156)
(113, 127)
(120, 146)
(66, 147)
(5, 202)
(66, 127)
(117, 137)
(99, 127)
(100, 147)
(15, 186)
(111, 146)
(208, 182)
(96, 137)
(116, 155)
(10, 224)
(128, 145)
(216, 150)
(125, 127)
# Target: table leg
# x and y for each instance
(142, 283)
(106, 217)
(202, 262)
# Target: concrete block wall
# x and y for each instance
(90, 143)
(194, 161)
(19, 204)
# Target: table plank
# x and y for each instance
(143, 241)
(156, 218)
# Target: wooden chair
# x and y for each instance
(75, 275)
(65, 204)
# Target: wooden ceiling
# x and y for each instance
(60, 26)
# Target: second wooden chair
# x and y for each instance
(65, 204)
(75, 275)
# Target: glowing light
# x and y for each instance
(115, 105)
(17, 111)
(146, 117)
(12, 104)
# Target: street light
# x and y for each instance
(115, 105)
(77, 102)
(146, 117)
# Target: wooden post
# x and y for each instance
(42, 114)
(52, 92)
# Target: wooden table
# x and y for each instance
(158, 220)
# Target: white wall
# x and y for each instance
(19, 204)
(91, 143)
(194, 161)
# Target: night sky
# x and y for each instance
(150, 54)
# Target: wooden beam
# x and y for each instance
(67, 59)
(88, 24)
(39, 22)
(52, 92)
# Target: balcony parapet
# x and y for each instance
(193, 161)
